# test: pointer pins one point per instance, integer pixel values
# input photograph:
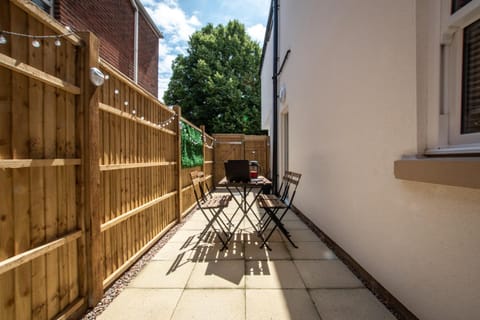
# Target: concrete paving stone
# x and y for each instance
(310, 251)
(295, 224)
(326, 274)
(175, 250)
(194, 225)
(303, 235)
(275, 274)
(218, 274)
(146, 304)
(253, 237)
(163, 274)
(278, 252)
(282, 304)
(210, 304)
(348, 304)
(212, 251)
(185, 236)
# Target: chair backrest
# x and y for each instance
(292, 181)
(198, 177)
(283, 190)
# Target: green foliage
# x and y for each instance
(192, 146)
(217, 83)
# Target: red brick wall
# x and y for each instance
(113, 23)
(147, 57)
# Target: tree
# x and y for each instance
(217, 83)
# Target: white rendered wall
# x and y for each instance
(357, 102)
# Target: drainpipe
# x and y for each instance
(275, 8)
(135, 43)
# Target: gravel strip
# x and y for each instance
(122, 282)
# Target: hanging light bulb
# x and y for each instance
(125, 103)
(57, 42)
(3, 40)
(134, 112)
(116, 91)
(142, 118)
(36, 43)
(107, 77)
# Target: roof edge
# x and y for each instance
(144, 13)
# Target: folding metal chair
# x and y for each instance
(277, 206)
(282, 194)
(211, 207)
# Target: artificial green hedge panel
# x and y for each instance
(192, 146)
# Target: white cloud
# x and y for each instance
(172, 20)
(165, 63)
(257, 32)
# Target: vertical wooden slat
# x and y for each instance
(70, 76)
(178, 154)
(7, 236)
(90, 156)
(7, 240)
(37, 196)
(20, 147)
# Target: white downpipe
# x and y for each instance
(135, 43)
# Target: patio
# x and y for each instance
(184, 281)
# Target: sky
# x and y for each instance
(178, 19)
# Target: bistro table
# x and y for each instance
(244, 189)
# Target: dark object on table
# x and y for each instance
(237, 170)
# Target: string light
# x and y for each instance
(36, 39)
(116, 91)
(125, 103)
(3, 40)
(36, 43)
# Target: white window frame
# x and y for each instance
(50, 4)
(452, 141)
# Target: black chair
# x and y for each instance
(276, 206)
(211, 206)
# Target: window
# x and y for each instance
(471, 79)
(45, 5)
(459, 122)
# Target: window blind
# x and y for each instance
(457, 4)
(471, 79)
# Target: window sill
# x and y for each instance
(460, 172)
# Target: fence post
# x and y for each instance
(204, 152)
(89, 100)
(178, 110)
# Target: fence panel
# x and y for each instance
(73, 159)
(40, 219)
(137, 165)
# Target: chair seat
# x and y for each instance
(217, 201)
(270, 201)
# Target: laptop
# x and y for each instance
(237, 170)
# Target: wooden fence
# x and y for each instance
(90, 178)
(240, 146)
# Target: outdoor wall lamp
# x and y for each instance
(97, 77)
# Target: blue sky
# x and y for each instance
(178, 19)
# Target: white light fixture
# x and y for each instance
(3, 40)
(36, 43)
(57, 42)
(97, 77)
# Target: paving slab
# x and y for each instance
(327, 274)
(254, 252)
(218, 274)
(163, 274)
(308, 250)
(145, 304)
(211, 304)
(348, 304)
(275, 274)
(285, 304)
